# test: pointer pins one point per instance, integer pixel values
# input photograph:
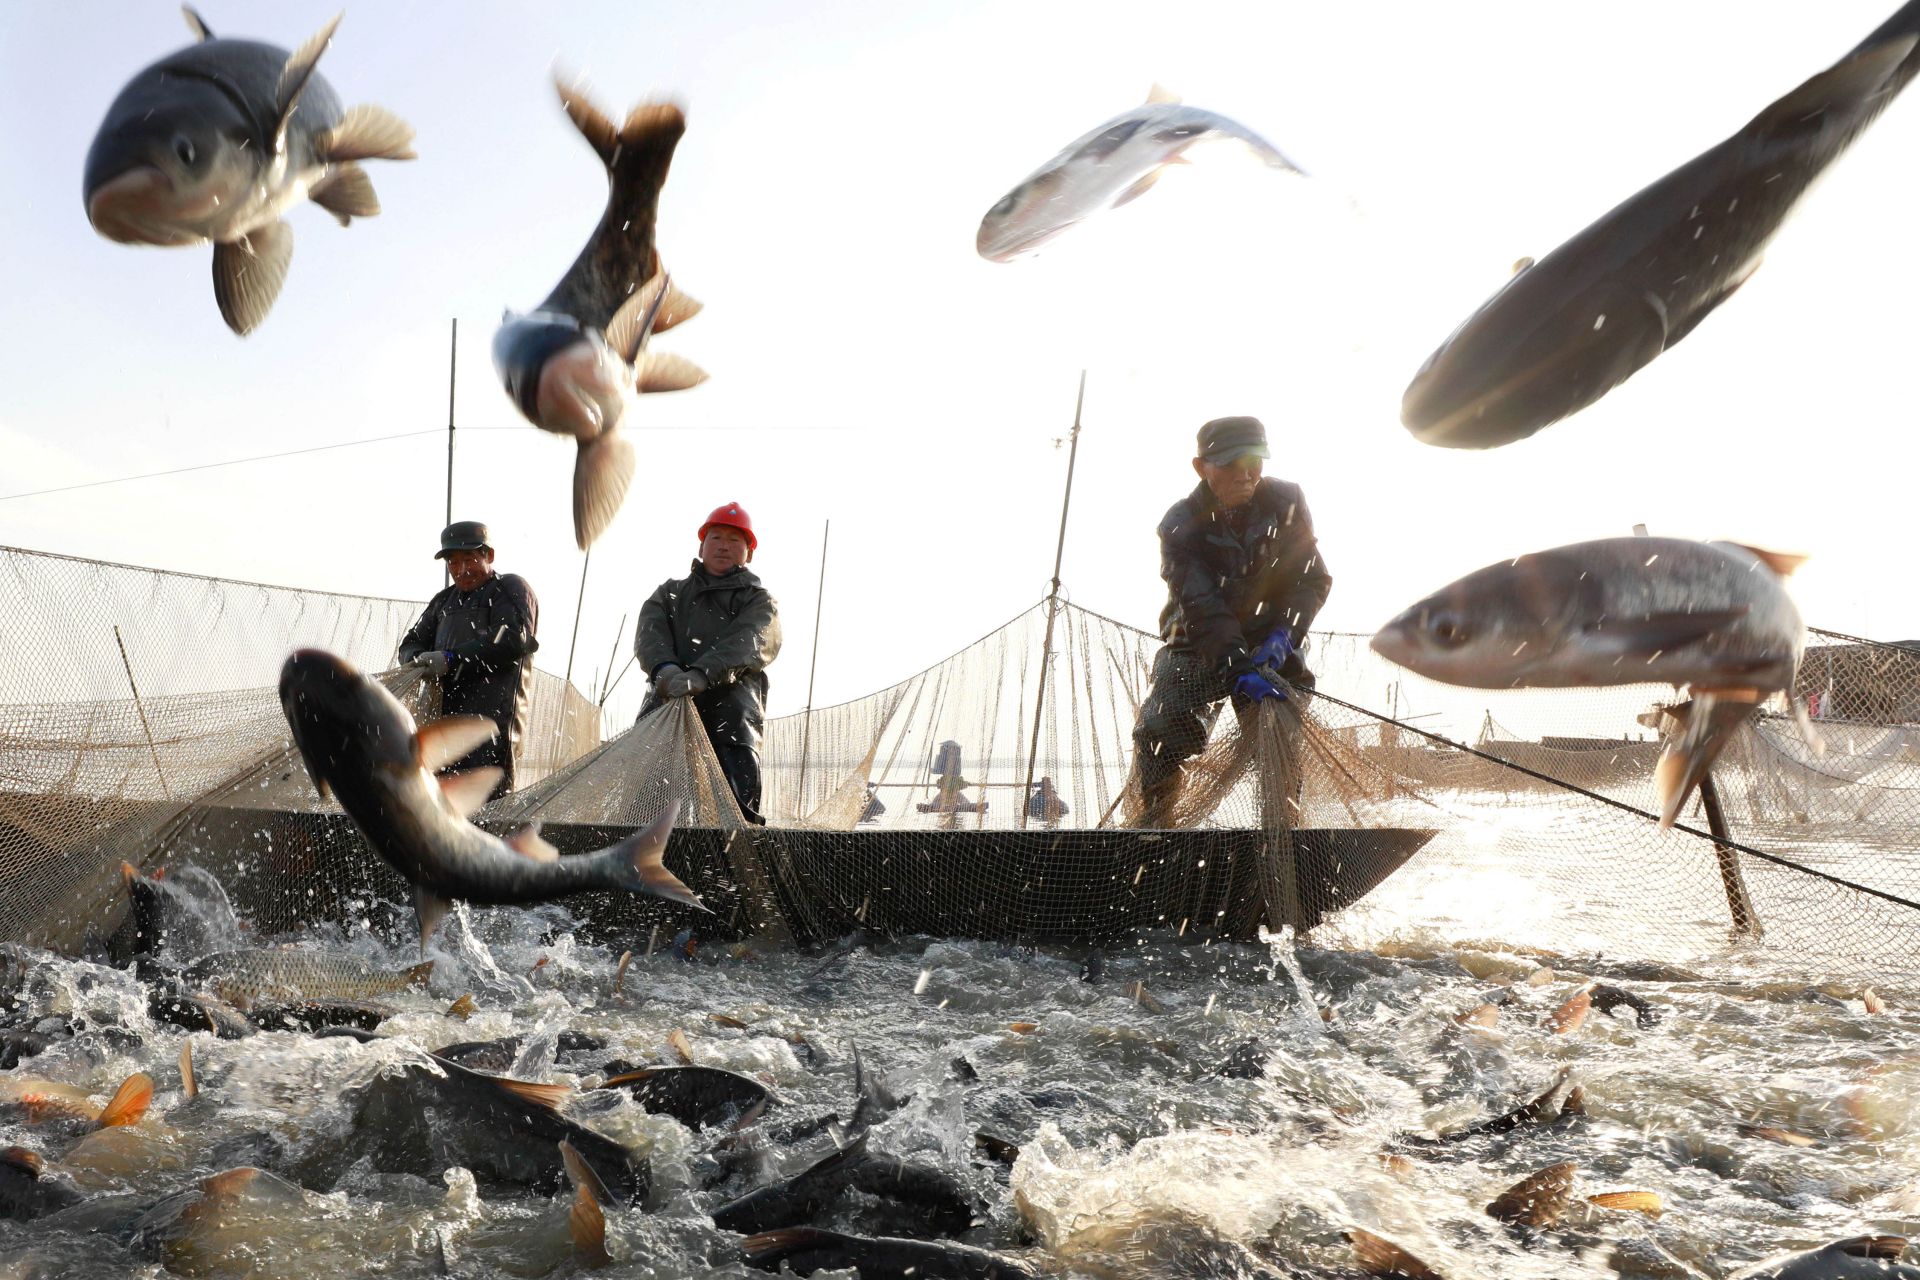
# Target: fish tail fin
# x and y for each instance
(769, 1248)
(1629, 1202)
(586, 1218)
(1379, 1256)
(647, 136)
(639, 866)
(1710, 724)
(602, 471)
(129, 1103)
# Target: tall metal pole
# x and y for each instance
(144, 726)
(1053, 599)
(819, 602)
(578, 601)
(612, 654)
(453, 363)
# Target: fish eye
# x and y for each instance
(184, 148)
(1447, 629)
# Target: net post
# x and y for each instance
(1053, 601)
(453, 364)
(142, 711)
(813, 666)
(1746, 922)
(613, 653)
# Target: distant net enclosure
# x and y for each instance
(138, 708)
(990, 795)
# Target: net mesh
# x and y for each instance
(991, 795)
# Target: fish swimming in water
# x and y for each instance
(1565, 330)
(809, 1249)
(25, 1193)
(217, 141)
(1538, 1200)
(1861, 1258)
(698, 1097)
(206, 1218)
(70, 1110)
(285, 978)
(176, 917)
(1114, 164)
(360, 744)
(1714, 616)
(569, 364)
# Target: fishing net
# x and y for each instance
(991, 795)
(139, 721)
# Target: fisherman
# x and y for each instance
(1045, 802)
(709, 636)
(1244, 581)
(477, 639)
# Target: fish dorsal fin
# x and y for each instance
(1521, 264)
(196, 23)
(129, 1102)
(593, 125)
(1781, 562)
(664, 371)
(1159, 94)
(586, 1221)
(466, 792)
(28, 1162)
(628, 330)
(367, 132)
(528, 843)
(1629, 1202)
(1841, 89)
(188, 1084)
(630, 1077)
(229, 1185)
(1379, 1256)
(294, 78)
(129, 873)
(1884, 1248)
(440, 743)
(551, 1096)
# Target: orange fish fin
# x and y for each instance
(129, 1103)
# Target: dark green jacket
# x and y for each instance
(728, 628)
(1233, 578)
(490, 631)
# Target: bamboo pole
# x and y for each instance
(813, 666)
(1053, 598)
(141, 709)
(453, 365)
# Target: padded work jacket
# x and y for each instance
(1234, 577)
(727, 627)
(490, 633)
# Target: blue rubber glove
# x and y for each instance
(1255, 687)
(1274, 650)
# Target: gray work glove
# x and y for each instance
(663, 679)
(686, 682)
(434, 662)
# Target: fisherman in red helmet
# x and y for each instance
(709, 636)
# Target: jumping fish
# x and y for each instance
(287, 979)
(217, 141)
(1117, 162)
(568, 364)
(1711, 615)
(69, 1109)
(1860, 1258)
(359, 743)
(1564, 331)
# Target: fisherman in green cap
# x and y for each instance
(476, 639)
(1244, 580)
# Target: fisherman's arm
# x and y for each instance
(420, 635)
(1308, 591)
(750, 644)
(653, 633)
(1212, 629)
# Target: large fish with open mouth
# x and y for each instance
(360, 745)
(1564, 331)
(1714, 616)
(217, 141)
(569, 364)
(1116, 163)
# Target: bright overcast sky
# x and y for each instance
(868, 367)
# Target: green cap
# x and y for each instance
(1226, 439)
(462, 535)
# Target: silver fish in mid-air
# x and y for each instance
(1861, 1258)
(1115, 163)
(568, 364)
(1569, 328)
(217, 141)
(360, 744)
(1714, 616)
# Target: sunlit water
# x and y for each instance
(1138, 1156)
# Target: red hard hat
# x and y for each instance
(734, 516)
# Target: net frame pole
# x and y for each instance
(1053, 601)
(141, 710)
(813, 664)
(613, 653)
(453, 365)
(1746, 921)
(578, 601)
